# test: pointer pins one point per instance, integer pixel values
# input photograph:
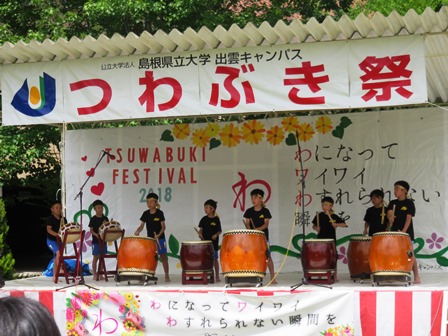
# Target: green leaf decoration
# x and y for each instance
(214, 143)
(442, 261)
(167, 136)
(291, 139)
(338, 132)
(345, 122)
(173, 243)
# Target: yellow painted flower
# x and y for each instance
(129, 296)
(323, 124)
(230, 135)
(178, 265)
(212, 129)
(253, 131)
(275, 135)
(70, 325)
(200, 137)
(305, 131)
(181, 131)
(290, 124)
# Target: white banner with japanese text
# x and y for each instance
(344, 156)
(206, 313)
(309, 76)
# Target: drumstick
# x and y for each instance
(252, 222)
(196, 229)
(157, 241)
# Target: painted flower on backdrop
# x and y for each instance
(230, 135)
(290, 124)
(200, 137)
(323, 125)
(275, 135)
(87, 241)
(434, 241)
(342, 255)
(181, 131)
(305, 131)
(212, 130)
(341, 330)
(253, 131)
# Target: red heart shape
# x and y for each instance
(97, 189)
(91, 172)
(84, 158)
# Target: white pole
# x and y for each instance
(62, 155)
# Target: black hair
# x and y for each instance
(327, 199)
(153, 195)
(403, 184)
(211, 203)
(257, 192)
(97, 202)
(377, 192)
(22, 316)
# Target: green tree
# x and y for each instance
(385, 7)
(6, 258)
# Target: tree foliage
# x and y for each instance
(6, 259)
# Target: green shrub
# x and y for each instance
(6, 258)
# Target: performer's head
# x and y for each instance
(377, 196)
(210, 207)
(327, 204)
(401, 189)
(152, 201)
(256, 196)
(56, 208)
(98, 206)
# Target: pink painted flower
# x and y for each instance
(342, 255)
(135, 319)
(76, 302)
(122, 309)
(117, 297)
(434, 241)
(70, 314)
(80, 329)
(84, 313)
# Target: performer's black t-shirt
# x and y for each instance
(327, 231)
(153, 222)
(402, 209)
(55, 225)
(258, 218)
(210, 226)
(95, 223)
(373, 218)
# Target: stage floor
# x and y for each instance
(430, 281)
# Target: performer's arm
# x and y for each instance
(50, 231)
(216, 235)
(247, 223)
(200, 234)
(407, 223)
(265, 225)
(366, 228)
(157, 236)
(139, 229)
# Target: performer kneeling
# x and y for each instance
(326, 222)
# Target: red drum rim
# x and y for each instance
(319, 240)
(360, 238)
(138, 237)
(199, 242)
(248, 232)
(390, 233)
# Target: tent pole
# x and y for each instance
(62, 149)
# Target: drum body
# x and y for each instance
(244, 253)
(358, 256)
(114, 231)
(197, 256)
(391, 253)
(70, 227)
(318, 255)
(137, 255)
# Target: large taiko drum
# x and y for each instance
(137, 256)
(74, 229)
(197, 256)
(319, 255)
(244, 253)
(358, 257)
(391, 253)
(114, 231)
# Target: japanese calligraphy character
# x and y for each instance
(204, 59)
(369, 154)
(99, 323)
(317, 153)
(106, 94)
(299, 155)
(366, 196)
(143, 63)
(189, 305)
(324, 193)
(307, 71)
(258, 57)
(245, 57)
(235, 96)
(233, 57)
(170, 322)
(205, 323)
(375, 79)
(155, 305)
(207, 307)
(242, 306)
(337, 170)
(389, 149)
(240, 323)
(305, 198)
(361, 174)
(295, 320)
(300, 172)
(279, 305)
(151, 84)
(323, 176)
(303, 218)
(275, 322)
(223, 305)
(297, 54)
(259, 306)
(189, 319)
(191, 59)
(274, 55)
(346, 156)
(239, 189)
(341, 194)
(223, 323)
(220, 58)
(259, 323)
(172, 305)
(313, 319)
(295, 305)
(330, 318)
(179, 61)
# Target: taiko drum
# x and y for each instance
(318, 254)
(244, 253)
(197, 256)
(114, 231)
(358, 257)
(137, 255)
(391, 253)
